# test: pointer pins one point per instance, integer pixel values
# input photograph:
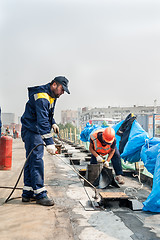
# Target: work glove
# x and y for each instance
(55, 128)
(99, 159)
(51, 149)
(106, 164)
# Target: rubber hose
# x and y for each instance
(22, 171)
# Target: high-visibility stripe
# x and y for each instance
(27, 188)
(98, 149)
(101, 148)
(37, 191)
(47, 135)
(44, 95)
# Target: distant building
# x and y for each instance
(116, 113)
(69, 116)
(9, 118)
(103, 121)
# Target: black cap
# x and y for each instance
(64, 81)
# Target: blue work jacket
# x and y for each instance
(39, 112)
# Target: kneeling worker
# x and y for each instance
(103, 142)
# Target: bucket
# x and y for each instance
(82, 172)
(93, 174)
(58, 146)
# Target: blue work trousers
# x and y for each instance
(116, 162)
(34, 167)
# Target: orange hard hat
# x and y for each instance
(109, 135)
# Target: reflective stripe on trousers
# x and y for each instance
(37, 191)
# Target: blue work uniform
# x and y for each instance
(116, 159)
(37, 122)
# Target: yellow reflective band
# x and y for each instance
(46, 96)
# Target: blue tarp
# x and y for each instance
(134, 144)
(88, 130)
(116, 127)
(150, 155)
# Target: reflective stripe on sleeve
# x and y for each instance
(47, 135)
(46, 96)
(37, 191)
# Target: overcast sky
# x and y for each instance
(108, 49)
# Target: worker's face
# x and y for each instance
(106, 143)
(58, 90)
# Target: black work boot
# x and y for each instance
(28, 199)
(46, 201)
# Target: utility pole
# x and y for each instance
(155, 111)
(155, 106)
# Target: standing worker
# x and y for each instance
(103, 142)
(7, 131)
(14, 133)
(37, 122)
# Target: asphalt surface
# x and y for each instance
(72, 216)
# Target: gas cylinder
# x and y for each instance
(5, 153)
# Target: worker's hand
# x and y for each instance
(51, 149)
(99, 159)
(106, 164)
(55, 128)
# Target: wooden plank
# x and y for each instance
(113, 195)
